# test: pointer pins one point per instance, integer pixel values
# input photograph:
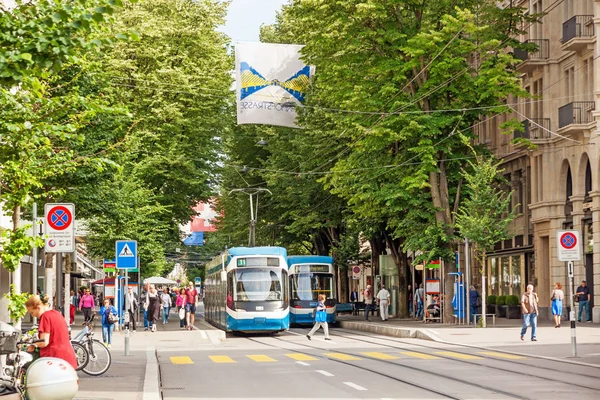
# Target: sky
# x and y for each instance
(246, 16)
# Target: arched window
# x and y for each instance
(588, 180)
(569, 184)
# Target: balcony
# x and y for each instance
(578, 33)
(535, 129)
(531, 59)
(576, 113)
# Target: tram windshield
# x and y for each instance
(308, 286)
(260, 284)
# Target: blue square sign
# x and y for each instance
(126, 254)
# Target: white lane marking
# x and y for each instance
(151, 379)
(303, 363)
(354, 386)
(203, 334)
(325, 373)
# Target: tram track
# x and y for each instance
(395, 378)
(511, 362)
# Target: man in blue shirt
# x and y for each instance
(583, 296)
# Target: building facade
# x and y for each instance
(556, 184)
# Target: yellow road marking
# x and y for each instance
(181, 360)
(420, 355)
(381, 356)
(458, 355)
(502, 355)
(301, 357)
(261, 358)
(341, 356)
(221, 359)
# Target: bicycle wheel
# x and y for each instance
(100, 358)
(82, 355)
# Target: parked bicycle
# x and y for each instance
(99, 358)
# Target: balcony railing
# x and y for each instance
(578, 112)
(578, 26)
(534, 129)
(542, 52)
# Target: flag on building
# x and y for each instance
(271, 82)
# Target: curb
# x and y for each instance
(151, 390)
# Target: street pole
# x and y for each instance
(126, 314)
(253, 216)
(34, 272)
(572, 312)
(483, 315)
(59, 281)
(251, 240)
(468, 281)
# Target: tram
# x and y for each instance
(246, 290)
(309, 277)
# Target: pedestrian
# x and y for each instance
(144, 301)
(583, 297)
(529, 306)
(419, 295)
(383, 300)
(354, 296)
(131, 306)
(474, 302)
(86, 304)
(153, 300)
(180, 303)
(52, 330)
(320, 319)
(74, 304)
(557, 298)
(191, 299)
(368, 295)
(108, 311)
(165, 301)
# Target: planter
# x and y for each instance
(490, 309)
(513, 312)
(500, 311)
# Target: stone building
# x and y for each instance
(556, 184)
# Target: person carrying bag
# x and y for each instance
(320, 318)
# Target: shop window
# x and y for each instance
(589, 238)
(505, 275)
(516, 275)
(493, 278)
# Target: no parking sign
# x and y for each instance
(59, 227)
(569, 248)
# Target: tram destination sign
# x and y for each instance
(568, 246)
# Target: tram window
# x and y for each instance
(258, 284)
(308, 286)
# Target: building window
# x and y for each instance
(588, 79)
(588, 181)
(569, 185)
(568, 9)
(569, 78)
(520, 194)
(589, 238)
(537, 28)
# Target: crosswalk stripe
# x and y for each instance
(381, 356)
(221, 359)
(181, 360)
(420, 355)
(502, 355)
(342, 356)
(261, 358)
(301, 357)
(458, 355)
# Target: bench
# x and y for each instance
(486, 315)
(344, 307)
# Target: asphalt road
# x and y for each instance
(361, 366)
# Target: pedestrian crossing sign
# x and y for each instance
(126, 252)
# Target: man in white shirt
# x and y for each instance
(383, 299)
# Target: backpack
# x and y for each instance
(478, 301)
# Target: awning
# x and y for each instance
(195, 239)
(89, 265)
(103, 281)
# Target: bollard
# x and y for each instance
(126, 350)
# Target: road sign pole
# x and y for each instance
(572, 311)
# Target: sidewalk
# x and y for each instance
(506, 332)
(135, 377)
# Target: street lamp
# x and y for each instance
(251, 192)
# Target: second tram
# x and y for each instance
(246, 290)
(309, 277)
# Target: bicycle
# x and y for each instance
(99, 357)
(13, 380)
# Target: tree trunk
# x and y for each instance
(16, 274)
(401, 260)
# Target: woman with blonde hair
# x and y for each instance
(557, 299)
(52, 329)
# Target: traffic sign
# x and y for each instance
(59, 226)
(110, 265)
(126, 254)
(568, 246)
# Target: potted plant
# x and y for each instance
(490, 304)
(513, 307)
(501, 306)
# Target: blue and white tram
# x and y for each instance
(246, 290)
(309, 277)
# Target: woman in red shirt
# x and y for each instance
(52, 329)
